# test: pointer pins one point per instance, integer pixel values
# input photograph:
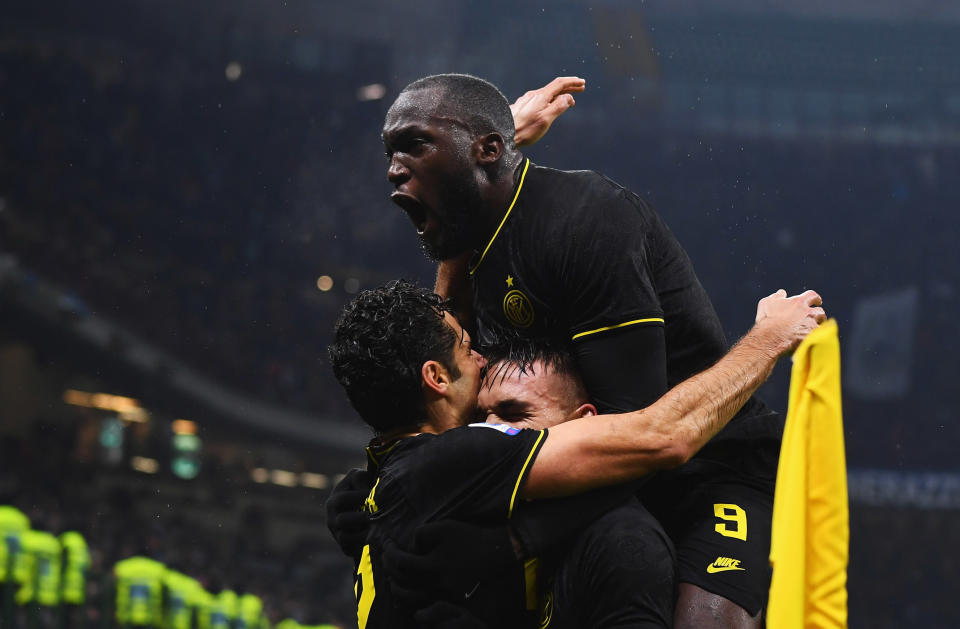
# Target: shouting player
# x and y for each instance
(574, 256)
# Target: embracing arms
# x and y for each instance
(609, 449)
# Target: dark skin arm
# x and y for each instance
(453, 283)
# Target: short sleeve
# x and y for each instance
(605, 278)
(475, 472)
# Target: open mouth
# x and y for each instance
(414, 209)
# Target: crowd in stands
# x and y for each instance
(200, 213)
(309, 582)
(200, 533)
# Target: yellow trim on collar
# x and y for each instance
(381, 453)
(505, 216)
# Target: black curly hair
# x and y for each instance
(381, 341)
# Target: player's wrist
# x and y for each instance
(768, 339)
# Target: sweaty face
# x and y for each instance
(433, 173)
(539, 398)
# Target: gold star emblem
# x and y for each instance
(509, 281)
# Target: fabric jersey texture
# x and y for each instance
(619, 572)
(579, 258)
(474, 474)
(470, 474)
(719, 513)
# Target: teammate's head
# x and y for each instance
(469, 100)
(448, 138)
(404, 360)
(532, 384)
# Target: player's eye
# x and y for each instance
(414, 145)
(508, 417)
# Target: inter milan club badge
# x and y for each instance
(518, 309)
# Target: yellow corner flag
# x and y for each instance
(811, 525)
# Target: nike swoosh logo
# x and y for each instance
(471, 592)
(712, 568)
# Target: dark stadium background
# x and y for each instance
(177, 177)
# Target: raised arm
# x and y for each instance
(535, 111)
(610, 449)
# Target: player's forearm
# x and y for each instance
(453, 283)
(611, 449)
(691, 413)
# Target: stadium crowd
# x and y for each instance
(193, 214)
(121, 514)
(200, 213)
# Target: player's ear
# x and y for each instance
(434, 377)
(585, 410)
(489, 149)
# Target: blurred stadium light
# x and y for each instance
(187, 455)
(144, 464)
(176, 258)
(374, 91)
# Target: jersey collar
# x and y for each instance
(523, 175)
(379, 449)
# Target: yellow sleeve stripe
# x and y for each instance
(523, 471)
(619, 325)
(483, 255)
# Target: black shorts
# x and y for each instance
(718, 509)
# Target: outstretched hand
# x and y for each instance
(790, 319)
(535, 111)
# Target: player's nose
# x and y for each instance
(397, 173)
(481, 361)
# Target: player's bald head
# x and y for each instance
(461, 98)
